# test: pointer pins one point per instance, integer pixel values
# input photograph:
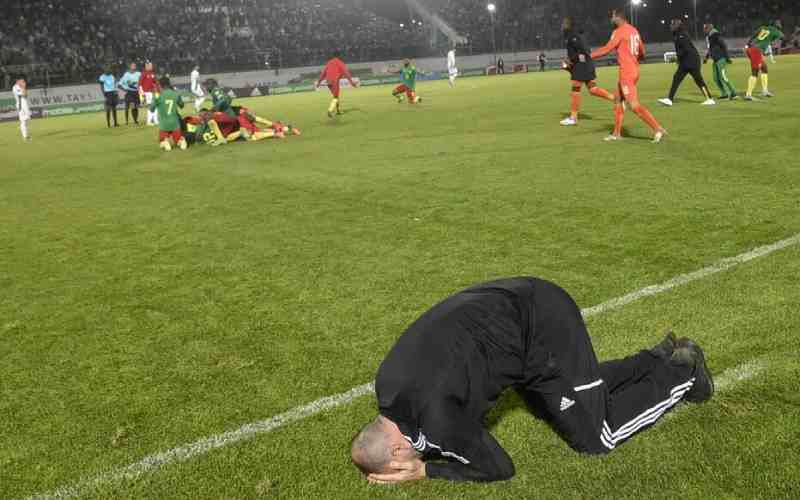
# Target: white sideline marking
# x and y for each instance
(729, 378)
(682, 279)
(247, 431)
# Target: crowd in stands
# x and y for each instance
(76, 39)
(72, 40)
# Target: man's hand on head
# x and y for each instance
(407, 470)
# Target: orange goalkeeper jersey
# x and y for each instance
(630, 50)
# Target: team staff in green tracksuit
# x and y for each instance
(718, 52)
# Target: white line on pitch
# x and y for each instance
(247, 431)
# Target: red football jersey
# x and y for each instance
(147, 82)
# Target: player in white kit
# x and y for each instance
(197, 89)
(20, 91)
(452, 70)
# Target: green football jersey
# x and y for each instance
(200, 133)
(408, 75)
(167, 104)
(765, 36)
(222, 101)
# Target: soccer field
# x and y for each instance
(150, 300)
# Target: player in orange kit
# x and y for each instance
(629, 46)
(333, 72)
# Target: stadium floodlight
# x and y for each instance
(636, 2)
(491, 8)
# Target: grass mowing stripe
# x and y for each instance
(247, 431)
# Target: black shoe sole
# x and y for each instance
(703, 388)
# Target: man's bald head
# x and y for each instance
(371, 450)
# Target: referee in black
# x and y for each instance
(688, 64)
(450, 366)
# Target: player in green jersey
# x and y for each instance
(408, 85)
(222, 102)
(756, 47)
(166, 104)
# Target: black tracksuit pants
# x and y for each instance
(593, 406)
(681, 73)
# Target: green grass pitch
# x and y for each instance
(148, 299)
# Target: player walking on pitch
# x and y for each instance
(335, 69)
(452, 70)
(408, 83)
(718, 52)
(20, 91)
(197, 89)
(148, 86)
(756, 47)
(688, 64)
(579, 64)
(628, 44)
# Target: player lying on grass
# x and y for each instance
(581, 68)
(688, 64)
(333, 72)
(215, 128)
(165, 106)
(449, 367)
(408, 83)
(755, 49)
(718, 52)
(629, 46)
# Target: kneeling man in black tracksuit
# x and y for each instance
(447, 370)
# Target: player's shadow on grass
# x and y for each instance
(511, 402)
(583, 116)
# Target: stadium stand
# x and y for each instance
(45, 39)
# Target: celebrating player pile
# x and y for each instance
(628, 44)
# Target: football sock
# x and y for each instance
(706, 92)
(108, 117)
(647, 117)
(764, 82)
(233, 136)
(601, 92)
(262, 121)
(334, 105)
(751, 85)
(23, 126)
(619, 114)
(575, 104)
(135, 112)
(214, 126)
(261, 135)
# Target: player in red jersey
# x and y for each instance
(629, 47)
(333, 72)
(148, 87)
